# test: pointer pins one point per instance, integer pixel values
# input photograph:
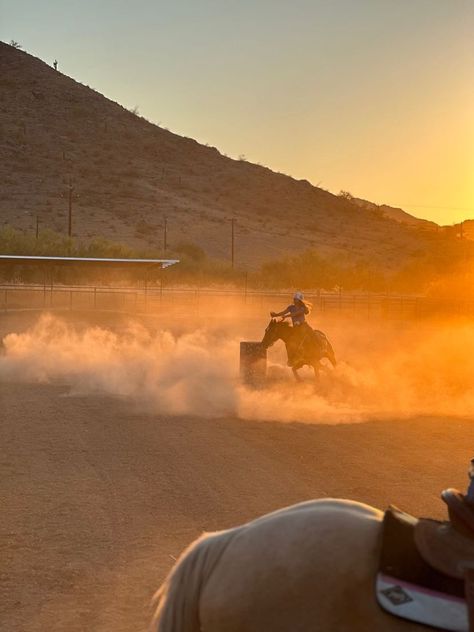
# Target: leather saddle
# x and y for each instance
(448, 546)
(433, 561)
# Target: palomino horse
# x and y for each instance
(310, 351)
(314, 567)
(306, 568)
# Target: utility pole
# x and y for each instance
(233, 220)
(165, 235)
(37, 226)
(69, 229)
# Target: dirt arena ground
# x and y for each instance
(99, 498)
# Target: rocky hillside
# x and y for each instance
(128, 175)
(463, 230)
(398, 214)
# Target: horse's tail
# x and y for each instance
(177, 600)
(325, 347)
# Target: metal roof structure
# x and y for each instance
(33, 259)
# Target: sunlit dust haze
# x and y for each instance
(382, 372)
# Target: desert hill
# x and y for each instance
(463, 230)
(129, 174)
(398, 214)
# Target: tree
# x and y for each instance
(346, 195)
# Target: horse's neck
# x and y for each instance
(285, 334)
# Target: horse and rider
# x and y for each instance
(304, 345)
(297, 311)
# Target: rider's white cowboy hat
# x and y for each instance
(298, 296)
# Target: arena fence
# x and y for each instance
(175, 301)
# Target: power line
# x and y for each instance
(165, 234)
(69, 226)
(233, 220)
(445, 208)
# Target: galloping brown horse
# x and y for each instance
(303, 350)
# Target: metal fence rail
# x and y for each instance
(208, 301)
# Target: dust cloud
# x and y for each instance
(384, 370)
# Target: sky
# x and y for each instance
(374, 97)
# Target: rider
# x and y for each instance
(298, 312)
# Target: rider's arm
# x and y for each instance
(285, 312)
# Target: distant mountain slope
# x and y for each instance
(398, 214)
(128, 175)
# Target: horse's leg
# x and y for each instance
(290, 352)
(296, 374)
(316, 368)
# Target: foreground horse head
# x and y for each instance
(326, 565)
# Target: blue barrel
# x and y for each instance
(253, 363)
